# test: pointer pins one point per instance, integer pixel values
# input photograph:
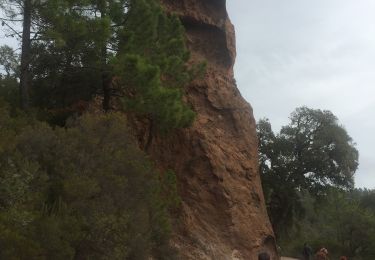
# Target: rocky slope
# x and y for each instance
(223, 211)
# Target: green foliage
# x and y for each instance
(311, 154)
(9, 91)
(340, 223)
(68, 56)
(152, 64)
(169, 190)
(128, 49)
(9, 71)
(367, 199)
(163, 105)
(9, 61)
(84, 192)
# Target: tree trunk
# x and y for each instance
(25, 56)
(105, 74)
(106, 87)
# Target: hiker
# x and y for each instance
(306, 252)
(322, 254)
(264, 256)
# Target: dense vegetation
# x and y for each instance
(75, 185)
(344, 222)
(81, 192)
(307, 172)
(79, 49)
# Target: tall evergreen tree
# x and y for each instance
(25, 54)
(15, 11)
(152, 65)
(124, 48)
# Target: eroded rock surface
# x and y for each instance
(223, 210)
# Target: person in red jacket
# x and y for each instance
(322, 254)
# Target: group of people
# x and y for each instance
(321, 254)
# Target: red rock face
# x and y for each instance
(223, 210)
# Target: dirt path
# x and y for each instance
(288, 258)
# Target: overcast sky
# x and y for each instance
(318, 53)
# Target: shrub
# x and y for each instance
(85, 191)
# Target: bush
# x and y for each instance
(85, 191)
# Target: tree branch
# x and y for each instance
(4, 23)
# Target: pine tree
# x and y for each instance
(21, 10)
(133, 44)
(152, 63)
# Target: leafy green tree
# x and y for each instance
(9, 71)
(9, 61)
(282, 196)
(312, 153)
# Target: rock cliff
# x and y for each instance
(223, 210)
